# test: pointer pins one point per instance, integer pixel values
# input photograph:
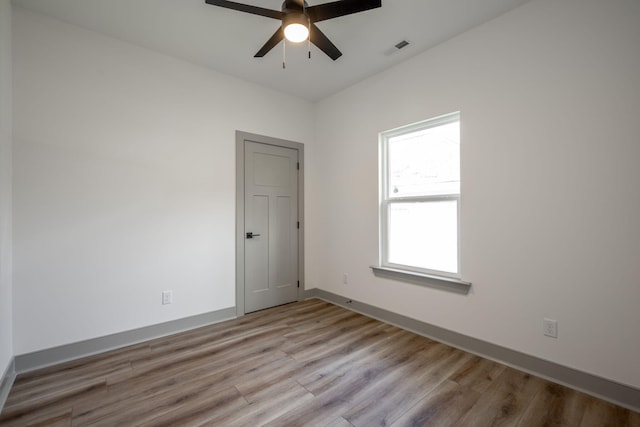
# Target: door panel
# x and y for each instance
(271, 214)
(259, 207)
(270, 170)
(281, 243)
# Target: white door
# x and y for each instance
(271, 225)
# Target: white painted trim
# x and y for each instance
(602, 388)
(385, 200)
(444, 282)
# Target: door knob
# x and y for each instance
(250, 235)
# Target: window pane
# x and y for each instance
(424, 235)
(425, 162)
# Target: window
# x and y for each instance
(420, 197)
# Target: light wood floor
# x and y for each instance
(305, 364)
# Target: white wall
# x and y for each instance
(6, 329)
(549, 95)
(124, 182)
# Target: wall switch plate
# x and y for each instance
(550, 327)
(345, 279)
(167, 297)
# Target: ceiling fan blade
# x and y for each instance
(271, 43)
(318, 38)
(335, 9)
(255, 10)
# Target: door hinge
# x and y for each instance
(298, 224)
(298, 165)
(298, 283)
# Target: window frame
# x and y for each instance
(385, 202)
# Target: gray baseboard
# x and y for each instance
(6, 381)
(620, 394)
(52, 356)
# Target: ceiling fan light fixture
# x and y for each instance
(296, 28)
(296, 33)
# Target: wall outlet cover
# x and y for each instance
(167, 297)
(550, 327)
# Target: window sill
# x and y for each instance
(441, 282)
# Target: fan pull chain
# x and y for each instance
(309, 38)
(284, 54)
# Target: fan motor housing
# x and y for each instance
(295, 5)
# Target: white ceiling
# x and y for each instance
(226, 40)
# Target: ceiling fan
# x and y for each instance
(298, 20)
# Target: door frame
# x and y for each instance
(241, 137)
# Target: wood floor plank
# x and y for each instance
(44, 417)
(314, 345)
(61, 420)
(385, 402)
(505, 401)
(444, 406)
(247, 346)
(206, 406)
(370, 342)
(555, 405)
(604, 414)
(140, 393)
(478, 373)
(271, 403)
(347, 389)
(328, 375)
(88, 368)
(339, 422)
(70, 380)
(307, 363)
(322, 325)
(324, 408)
(20, 409)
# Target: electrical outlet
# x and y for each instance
(167, 297)
(550, 327)
(345, 279)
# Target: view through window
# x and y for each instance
(420, 196)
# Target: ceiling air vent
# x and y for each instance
(396, 47)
